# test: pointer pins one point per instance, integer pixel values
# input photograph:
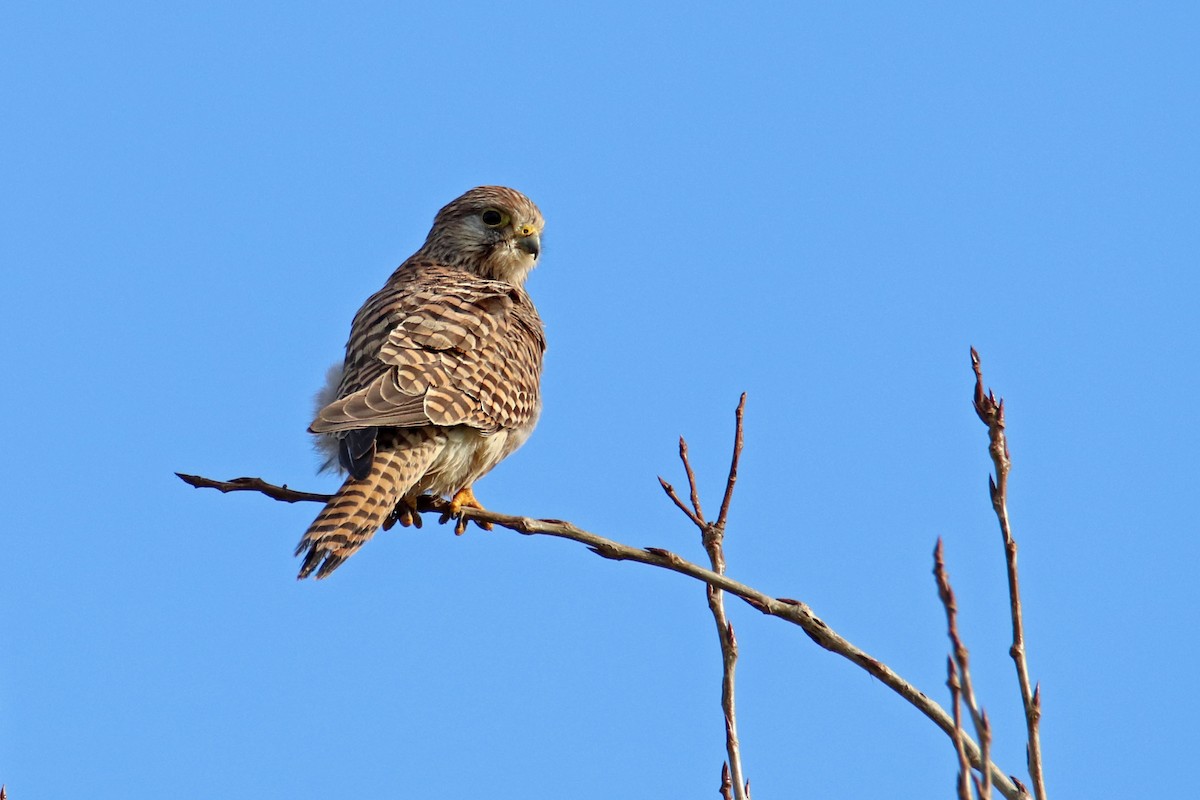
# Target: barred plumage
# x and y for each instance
(442, 373)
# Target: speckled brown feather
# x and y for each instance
(362, 505)
(449, 348)
(442, 373)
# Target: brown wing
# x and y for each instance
(440, 346)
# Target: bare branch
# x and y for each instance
(783, 608)
(983, 784)
(729, 655)
(991, 412)
(712, 536)
(963, 783)
(961, 660)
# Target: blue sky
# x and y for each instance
(821, 205)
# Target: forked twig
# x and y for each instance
(991, 412)
(712, 535)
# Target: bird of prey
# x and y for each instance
(441, 379)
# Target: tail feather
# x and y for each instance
(353, 515)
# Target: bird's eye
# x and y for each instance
(493, 218)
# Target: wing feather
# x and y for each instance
(441, 346)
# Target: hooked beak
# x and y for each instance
(531, 244)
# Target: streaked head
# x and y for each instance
(493, 231)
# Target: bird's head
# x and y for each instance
(493, 231)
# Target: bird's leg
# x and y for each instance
(464, 498)
(405, 513)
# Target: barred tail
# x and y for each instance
(362, 505)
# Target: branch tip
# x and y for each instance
(738, 444)
(991, 413)
(726, 789)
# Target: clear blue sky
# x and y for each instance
(824, 207)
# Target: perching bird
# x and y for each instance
(441, 379)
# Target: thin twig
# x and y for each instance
(962, 662)
(712, 535)
(670, 490)
(691, 476)
(991, 412)
(733, 465)
(282, 493)
(783, 608)
(963, 783)
(983, 784)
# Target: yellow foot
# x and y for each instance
(464, 498)
(405, 513)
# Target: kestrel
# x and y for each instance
(441, 379)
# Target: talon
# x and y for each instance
(464, 498)
(405, 513)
